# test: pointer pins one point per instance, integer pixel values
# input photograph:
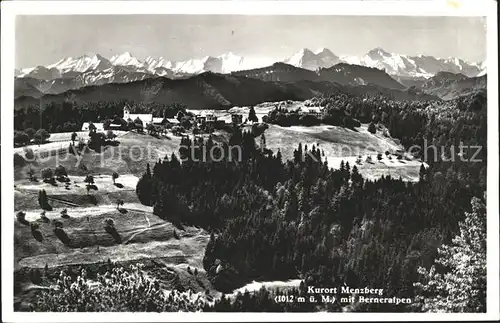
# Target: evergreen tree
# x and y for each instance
(457, 283)
(43, 200)
(115, 175)
(356, 177)
(144, 188)
(372, 128)
(422, 173)
(278, 156)
(252, 117)
(73, 137)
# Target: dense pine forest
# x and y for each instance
(273, 219)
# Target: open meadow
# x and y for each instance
(130, 156)
(140, 235)
(342, 144)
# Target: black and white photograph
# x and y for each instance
(329, 161)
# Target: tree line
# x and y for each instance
(69, 116)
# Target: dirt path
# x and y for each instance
(156, 226)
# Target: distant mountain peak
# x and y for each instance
(306, 51)
(126, 54)
(378, 52)
(303, 52)
(126, 59)
(324, 51)
(229, 55)
(99, 56)
(81, 64)
(207, 58)
(307, 59)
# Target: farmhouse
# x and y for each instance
(205, 117)
(315, 111)
(211, 118)
(286, 104)
(172, 121)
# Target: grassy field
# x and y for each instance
(145, 238)
(62, 140)
(26, 192)
(129, 157)
(142, 236)
(345, 144)
(66, 136)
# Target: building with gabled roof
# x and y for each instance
(146, 118)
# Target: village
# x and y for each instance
(180, 123)
(186, 122)
(196, 122)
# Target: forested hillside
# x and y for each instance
(275, 219)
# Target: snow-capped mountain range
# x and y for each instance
(76, 72)
(393, 64)
(68, 67)
(72, 73)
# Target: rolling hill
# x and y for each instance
(359, 75)
(341, 73)
(280, 72)
(449, 85)
(27, 87)
(215, 91)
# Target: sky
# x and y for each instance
(43, 40)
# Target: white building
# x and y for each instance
(315, 111)
(145, 118)
(210, 117)
(173, 121)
